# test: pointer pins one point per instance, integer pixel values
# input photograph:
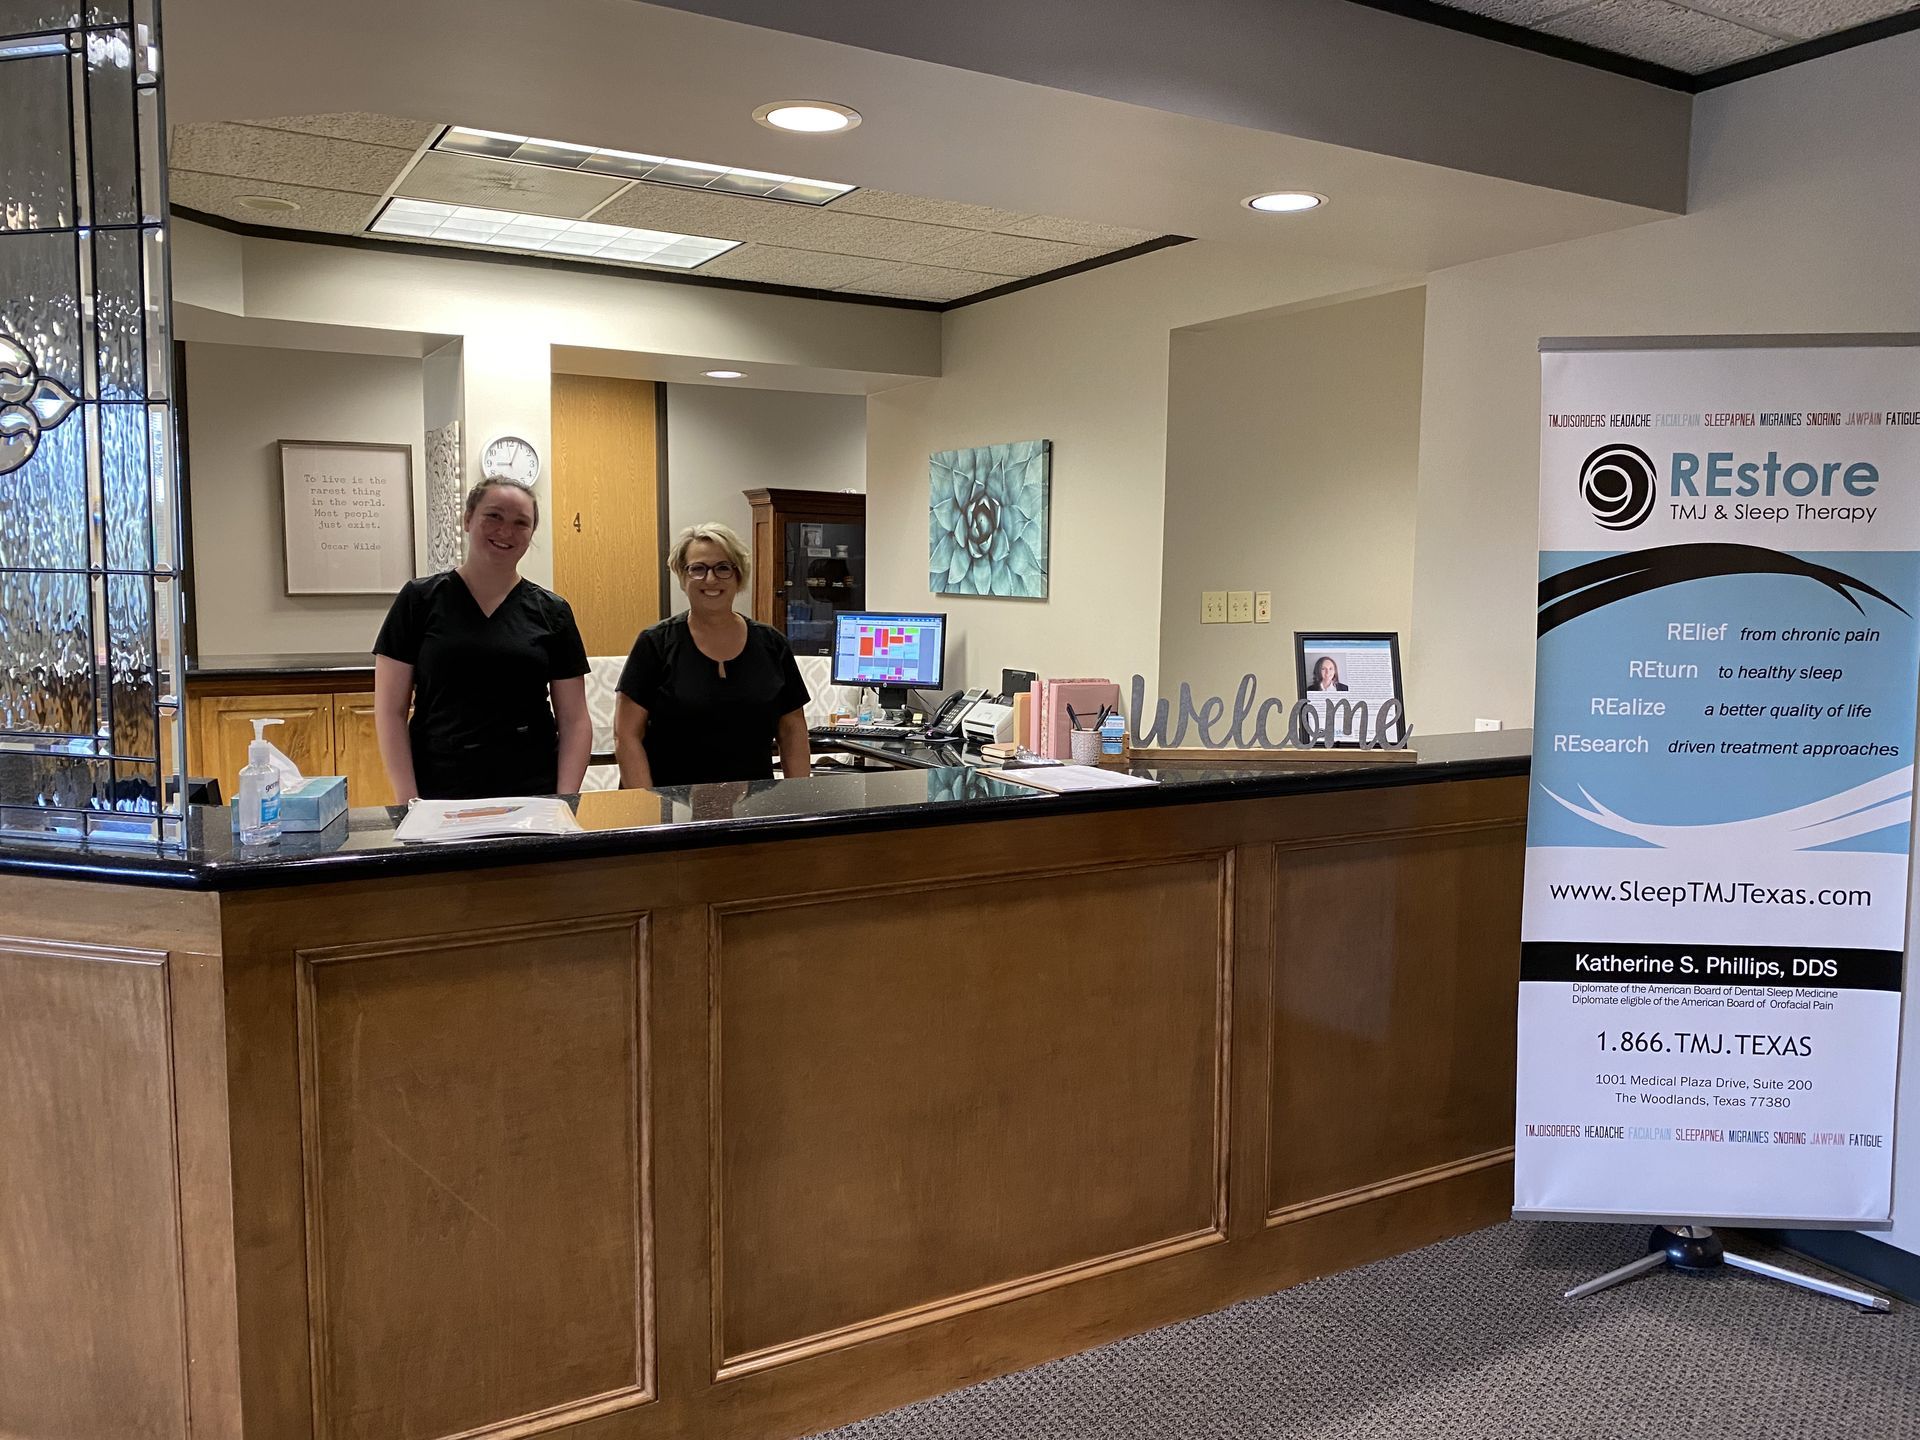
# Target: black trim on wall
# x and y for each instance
(1880, 1265)
(667, 277)
(1466, 22)
(183, 473)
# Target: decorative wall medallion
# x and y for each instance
(30, 404)
(987, 520)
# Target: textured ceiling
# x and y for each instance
(1697, 36)
(340, 169)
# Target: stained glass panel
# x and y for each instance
(39, 302)
(43, 504)
(36, 155)
(110, 122)
(117, 317)
(123, 469)
(47, 684)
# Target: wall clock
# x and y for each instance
(510, 458)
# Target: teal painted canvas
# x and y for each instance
(987, 520)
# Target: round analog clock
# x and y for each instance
(510, 458)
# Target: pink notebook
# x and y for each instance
(1084, 698)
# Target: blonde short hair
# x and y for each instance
(716, 533)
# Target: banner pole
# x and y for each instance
(1697, 1249)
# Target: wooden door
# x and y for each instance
(606, 508)
(222, 725)
(356, 750)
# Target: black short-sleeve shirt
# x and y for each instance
(482, 712)
(703, 727)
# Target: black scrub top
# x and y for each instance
(482, 714)
(702, 727)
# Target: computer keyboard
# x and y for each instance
(878, 732)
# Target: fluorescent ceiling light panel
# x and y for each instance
(689, 174)
(542, 234)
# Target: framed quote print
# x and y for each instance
(347, 512)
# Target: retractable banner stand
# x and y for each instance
(1719, 830)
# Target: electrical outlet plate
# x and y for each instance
(1484, 724)
(1213, 607)
(1240, 607)
(1262, 606)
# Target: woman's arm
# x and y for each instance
(796, 751)
(392, 698)
(576, 731)
(629, 731)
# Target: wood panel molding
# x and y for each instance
(1373, 1017)
(1149, 914)
(92, 1267)
(513, 1211)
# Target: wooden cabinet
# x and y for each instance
(809, 562)
(224, 725)
(356, 751)
(328, 728)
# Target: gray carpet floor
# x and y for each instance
(1470, 1338)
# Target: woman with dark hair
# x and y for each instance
(1326, 675)
(491, 665)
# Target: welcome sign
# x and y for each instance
(1719, 829)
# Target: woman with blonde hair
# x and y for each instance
(708, 694)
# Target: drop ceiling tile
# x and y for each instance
(337, 212)
(503, 185)
(808, 269)
(1665, 34)
(368, 129)
(926, 282)
(1078, 232)
(1516, 12)
(771, 222)
(313, 160)
(1801, 19)
(1009, 254)
(926, 212)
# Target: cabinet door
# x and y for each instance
(356, 750)
(224, 726)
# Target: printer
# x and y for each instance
(989, 722)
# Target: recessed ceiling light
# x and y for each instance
(265, 204)
(723, 374)
(511, 230)
(807, 117)
(1285, 202)
(631, 165)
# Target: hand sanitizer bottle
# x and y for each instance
(257, 817)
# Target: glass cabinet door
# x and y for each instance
(826, 572)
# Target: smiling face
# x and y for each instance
(1326, 674)
(710, 591)
(500, 525)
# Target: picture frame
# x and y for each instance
(1366, 666)
(346, 516)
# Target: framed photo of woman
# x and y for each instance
(1356, 666)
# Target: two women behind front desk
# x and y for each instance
(493, 670)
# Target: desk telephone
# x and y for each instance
(953, 711)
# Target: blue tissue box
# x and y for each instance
(315, 803)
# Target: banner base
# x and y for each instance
(1696, 1249)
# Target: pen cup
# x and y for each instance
(1086, 746)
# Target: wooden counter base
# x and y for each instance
(736, 1142)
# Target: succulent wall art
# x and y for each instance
(987, 520)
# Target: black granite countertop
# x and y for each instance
(622, 822)
(208, 667)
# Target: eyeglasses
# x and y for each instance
(722, 571)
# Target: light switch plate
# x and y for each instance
(1262, 606)
(1213, 607)
(1482, 724)
(1240, 607)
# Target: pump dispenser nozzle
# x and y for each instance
(257, 751)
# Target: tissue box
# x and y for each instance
(312, 804)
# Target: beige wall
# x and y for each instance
(721, 441)
(1806, 201)
(1081, 362)
(1293, 445)
(241, 401)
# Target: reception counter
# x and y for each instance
(747, 1112)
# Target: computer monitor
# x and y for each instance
(892, 653)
